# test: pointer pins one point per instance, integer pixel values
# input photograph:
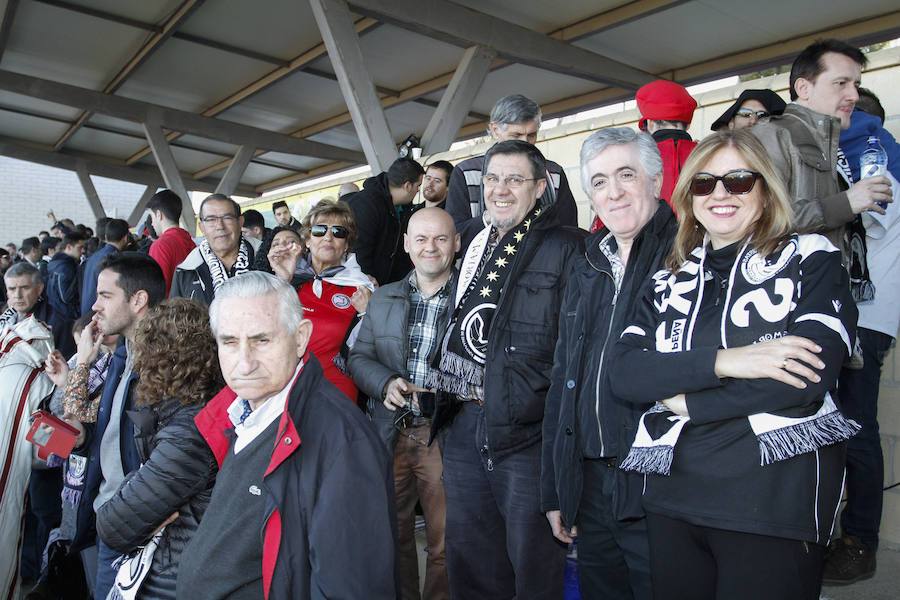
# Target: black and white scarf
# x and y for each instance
(763, 296)
(485, 270)
(8, 317)
(217, 270)
(861, 286)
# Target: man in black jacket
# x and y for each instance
(513, 117)
(380, 229)
(405, 322)
(63, 292)
(302, 505)
(586, 428)
(495, 362)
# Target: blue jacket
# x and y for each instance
(62, 288)
(85, 532)
(854, 138)
(91, 271)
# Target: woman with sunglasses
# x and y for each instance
(332, 288)
(750, 108)
(745, 334)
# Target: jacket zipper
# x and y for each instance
(612, 316)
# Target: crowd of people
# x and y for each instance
(681, 397)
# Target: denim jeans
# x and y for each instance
(858, 399)
(499, 543)
(106, 575)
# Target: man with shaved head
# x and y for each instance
(410, 315)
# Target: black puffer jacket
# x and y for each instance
(522, 338)
(379, 237)
(177, 475)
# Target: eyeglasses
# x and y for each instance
(224, 219)
(746, 113)
(739, 181)
(512, 182)
(338, 231)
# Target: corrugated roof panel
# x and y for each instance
(31, 129)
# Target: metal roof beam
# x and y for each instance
(165, 160)
(141, 205)
(235, 171)
(457, 99)
(466, 27)
(90, 192)
(154, 43)
(170, 118)
(336, 26)
(69, 161)
(9, 15)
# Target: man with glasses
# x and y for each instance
(750, 108)
(222, 254)
(411, 316)
(514, 117)
(493, 375)
(380, 228)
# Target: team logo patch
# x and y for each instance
(340, 300)
(474, 336)
(757, 269)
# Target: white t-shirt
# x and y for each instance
(883, 244)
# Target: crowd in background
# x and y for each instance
(679, 398)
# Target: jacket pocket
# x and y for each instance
(528, 381)
(537, 298)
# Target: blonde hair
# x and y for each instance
(329, 207)
(775, 222)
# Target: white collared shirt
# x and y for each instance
(260, 419)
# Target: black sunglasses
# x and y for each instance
(747, 113)
(739, 181)
(338, 231)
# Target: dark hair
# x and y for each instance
(808, 64)
(279, 204)
(254, 218)
(72, 238)
(221, 198)
(63, 228)
(91, 245)
(168, 203)
(443, 165)
(534, 156)
(404, 170)
(175, 355)
(50, 243)
(43, 232)
(29, 244)
(869, 103)
(101, 227)
(137, 272)
(116, 229)
(261, 262)
(4, 252)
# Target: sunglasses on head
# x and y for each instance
(338, 231)
(739, 181)
(747, 113)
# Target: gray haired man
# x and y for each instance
(513, 117)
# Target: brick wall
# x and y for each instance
(28, 191)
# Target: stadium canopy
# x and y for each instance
(245, 96)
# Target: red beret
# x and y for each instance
(664, 100)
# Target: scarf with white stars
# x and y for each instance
(483, 275)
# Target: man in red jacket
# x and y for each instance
(174, 243)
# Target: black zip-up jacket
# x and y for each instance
(177, 475)
(582, 415)
(379, 232)
(522, 339)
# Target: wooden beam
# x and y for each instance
(235, 171)
(267, 80)
(336, 26)
(141, 205)
(170, 118)
(463, 26)
(454, 106)
(90, 192)
(165, 160)
(153, 44)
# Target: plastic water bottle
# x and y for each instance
(873, 162)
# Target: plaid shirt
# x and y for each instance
(422, 327)
(610, 249)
